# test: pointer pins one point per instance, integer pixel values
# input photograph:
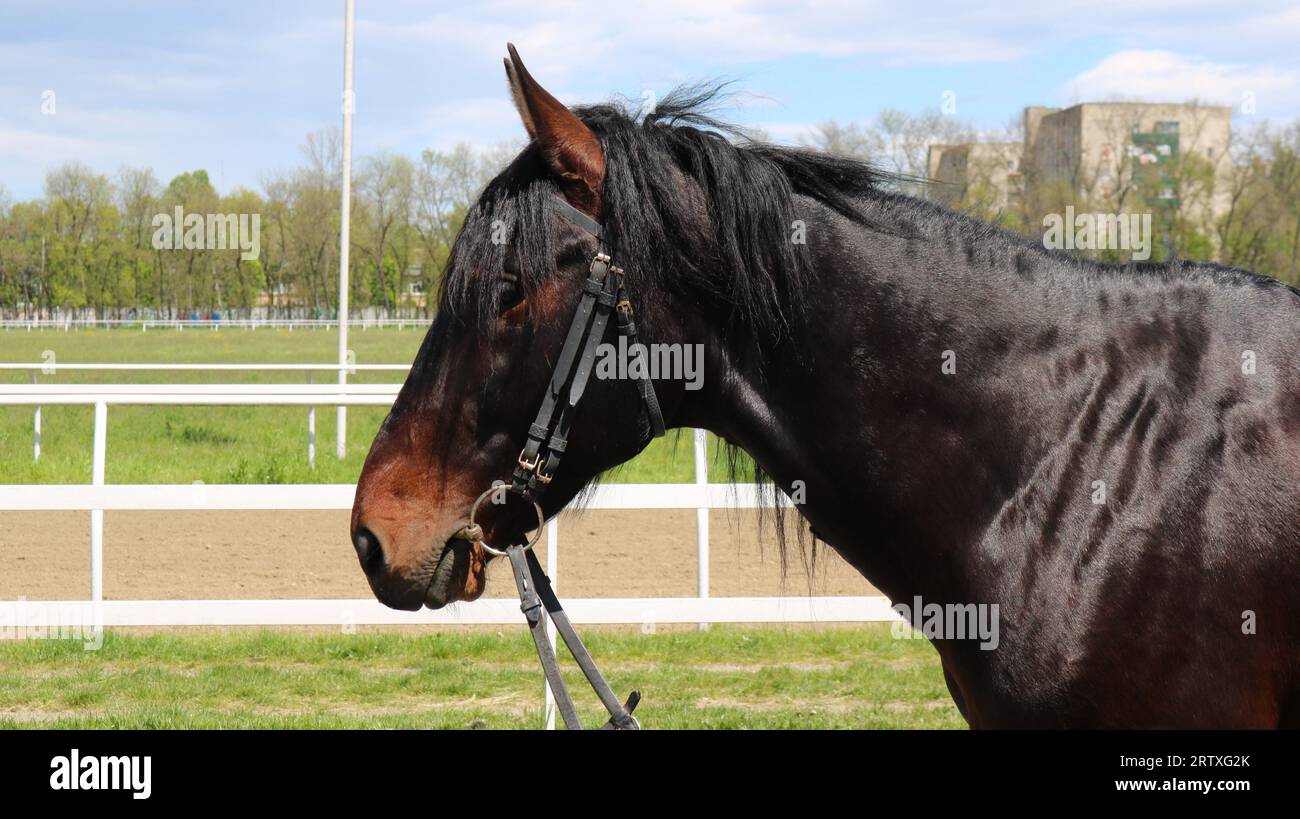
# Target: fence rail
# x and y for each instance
(172, 394)
(51, 368)
(648, 611)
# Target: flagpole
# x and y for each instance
(344, 222)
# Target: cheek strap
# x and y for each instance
(603, 292)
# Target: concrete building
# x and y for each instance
(985, 175)
(1121, 156)
(1114, 156)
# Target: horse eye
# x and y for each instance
(511, 294)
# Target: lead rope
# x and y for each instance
(536, 596)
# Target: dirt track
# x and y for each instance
(296, 554)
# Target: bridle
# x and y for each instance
(604, 292)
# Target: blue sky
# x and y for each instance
(234, 87)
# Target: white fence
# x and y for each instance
(97, 497)
(53, 367)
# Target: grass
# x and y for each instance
(223, 444)
(727, 677)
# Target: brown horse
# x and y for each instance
(1111, 454)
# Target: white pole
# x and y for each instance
(702, 520)
(311, 432)
(552, 566)
(97, 515)
(36, 429)
(348, 105)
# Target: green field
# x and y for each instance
(222, 444)
(727, 677)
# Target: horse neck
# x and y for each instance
(902, 461)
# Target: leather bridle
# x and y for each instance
(603, 292)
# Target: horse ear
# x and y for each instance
(571, 149)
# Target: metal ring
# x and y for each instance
(478, 536)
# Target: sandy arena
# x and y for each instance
(306, 554)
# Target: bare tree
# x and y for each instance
(897, 142)
(385, 187)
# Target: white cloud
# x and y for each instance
(48, 149)
(476, 121)
(1164, 76)
(561, 39)
(26, 155)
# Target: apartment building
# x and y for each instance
(1113, 155)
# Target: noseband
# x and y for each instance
(603, 292)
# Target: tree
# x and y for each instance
(77, 198)
(446, 185)
(138, 192)
(386, 187)
(1261, 228)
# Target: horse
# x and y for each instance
(1108, 453)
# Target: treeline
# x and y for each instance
(89, 245)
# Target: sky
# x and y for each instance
(234, 87)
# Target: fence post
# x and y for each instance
(311, 432)
(36, 428)
(702, 519)
(97, 515)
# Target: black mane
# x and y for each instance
(747, 190)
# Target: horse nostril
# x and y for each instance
(368, 550)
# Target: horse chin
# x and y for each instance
(459, 574)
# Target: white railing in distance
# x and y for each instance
(53, 367)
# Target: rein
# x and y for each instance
(603, 292)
